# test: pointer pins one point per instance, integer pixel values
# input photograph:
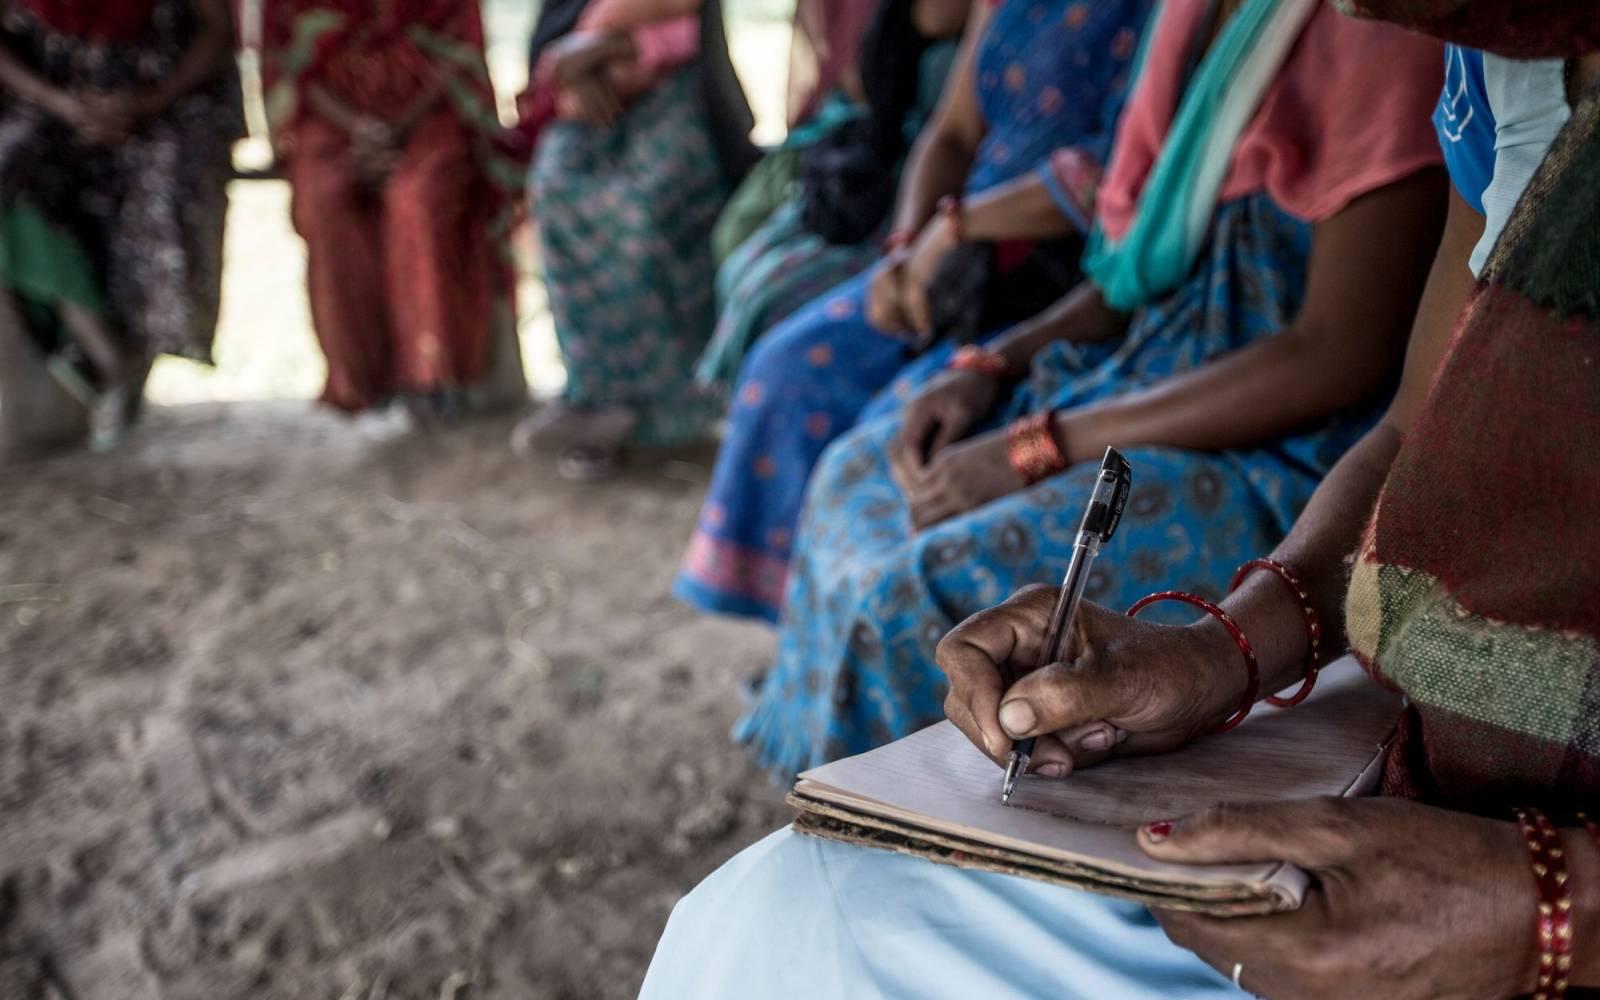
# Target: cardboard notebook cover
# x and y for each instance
(934, 795)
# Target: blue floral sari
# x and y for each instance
(1050, 74)
(868, 600)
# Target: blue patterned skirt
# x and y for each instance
(867, 599)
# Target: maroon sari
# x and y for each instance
(409, 275)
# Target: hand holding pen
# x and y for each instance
(1100, 520)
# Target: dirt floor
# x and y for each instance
(302, 708)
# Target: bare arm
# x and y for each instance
(1020, 209)
(1360, 303)
(1329, 529)
(1080, 316)
(206, 57)
(21, 82)
(943, 153)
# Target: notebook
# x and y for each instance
(934, 795)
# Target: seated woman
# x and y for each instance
(384, 117)
(650, 133)
(1237, 333)
(1494, 642)
(841, 170)
(1032, 77)
(115, 134)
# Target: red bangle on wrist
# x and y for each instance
(1313, 624)
(1032, 447)
(950, 208)
(1555, 903)
(898, 240)
(973, 358)
(1252, 686)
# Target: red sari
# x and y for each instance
(409, 276)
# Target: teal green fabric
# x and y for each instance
(41, 262)
(1156, 254)
(753, 202)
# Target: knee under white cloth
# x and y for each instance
(797, 917)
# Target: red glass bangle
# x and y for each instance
(1252, 685)
(950, 208)
(898, 240)
(1313, 624)
(973, 358)
(1033, 450)
(1555, 903)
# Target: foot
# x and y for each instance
(111, 415)
(559, 427)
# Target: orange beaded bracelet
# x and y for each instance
(1313, 624)
(1032, 447)
(973, 358)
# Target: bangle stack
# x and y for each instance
(1313, 624)
(1032, 447)
(973, 358)
(1252, 686)
(1555, 903)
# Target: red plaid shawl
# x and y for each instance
(1477, 588)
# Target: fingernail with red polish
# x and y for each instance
(1158, 831)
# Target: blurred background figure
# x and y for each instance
(115, 128)
(642, 131)
(404, 191)
(814, 211)
(980, 215)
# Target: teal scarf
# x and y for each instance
(1179, 196)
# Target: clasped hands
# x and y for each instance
(1407, 902)
(102, 118)
(941, 472)
(897, 292)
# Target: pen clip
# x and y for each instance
(1110, 496)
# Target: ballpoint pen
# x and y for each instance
(1099, 522)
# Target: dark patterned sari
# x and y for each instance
(134, 232)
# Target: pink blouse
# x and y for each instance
(1348, 113)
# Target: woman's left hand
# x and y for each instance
(1408, 902)
(935, 241)
(963, 477)
(583, 54)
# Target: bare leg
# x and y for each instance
(115, 363)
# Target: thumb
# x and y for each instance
(1060, 696)
(1311, 833)
(946, 433)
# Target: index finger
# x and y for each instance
(977, 654)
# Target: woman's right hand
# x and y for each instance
(936, 418)
(1130, 687)
(886, 311)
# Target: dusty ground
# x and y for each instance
(292, 707)
(297, 708)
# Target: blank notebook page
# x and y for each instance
(937, 780)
